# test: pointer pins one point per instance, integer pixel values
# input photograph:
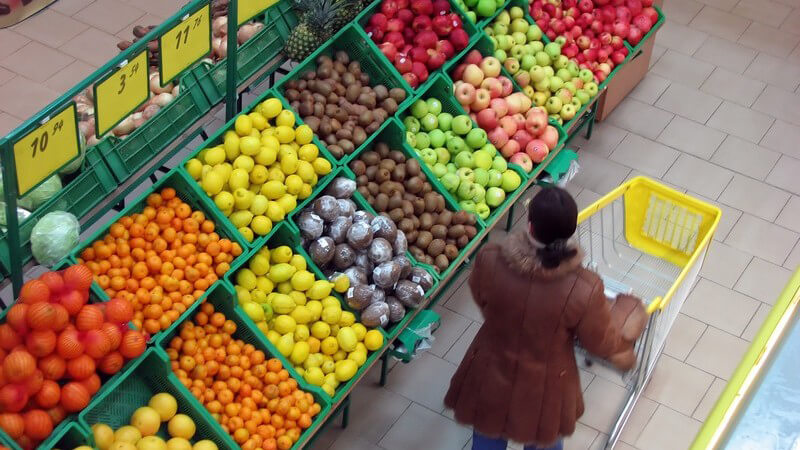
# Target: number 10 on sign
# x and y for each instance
(185, 44)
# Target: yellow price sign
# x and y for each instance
(185, 44)
(247, 9)
(120, 93)
(45, 150)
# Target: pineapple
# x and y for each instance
(319, 20)
(302, 42)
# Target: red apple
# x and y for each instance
(522, 160)
(509, 125)
(482, 99)
(643, 23)
(422, 7)
(464, 92)
(498, 136)
(375, 34)
(389, 8)
(487, 119)
(446, 47)
(409, 34)
(621, 28)
(441, 7)
(493, 86)
(585, 6)
(537, 150)
(473, 75)
(421, 23)
(570, 50)
(499, 106)
(635, 7)
(436, 59)
(442, 25)
(597, 26)
(395, 25)
(420, 70)
(602, 55)
(456, 20)
(522, 137)
(550, 136)
(616, 42)
(402, 63)
(590, 54)
(624, 14)
(459, 38)
(536, 121)
(608, 14)
(411, 79)
(418, 54)
(458, 72)
(583, 42)
(508, 86)
(635, 35)
(617, 57)
(405, 15)
(389, 50)
(473, 57)
(379, 20)
(651, 14)
(426, 39)
(511, 148)
(395, 39)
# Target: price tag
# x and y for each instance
(120, 93)
(185, 44)
(247, 9)
(45, 150)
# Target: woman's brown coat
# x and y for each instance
(518, 379)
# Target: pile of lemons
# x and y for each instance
(145, 423)
(301, 317)
(261, 169)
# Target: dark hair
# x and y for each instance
(553, 216)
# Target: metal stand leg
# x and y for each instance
(346, 413)
(510, 218)
(384, 368)
(590, 125)
(203, 134)
(239, 102)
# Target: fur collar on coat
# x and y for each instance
(519, 253)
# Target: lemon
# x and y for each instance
(273, 189)
(259, 121)
(205, 445)
(181, 426)
(259, 174)
(247, 233)
(329, 390)
(243, 125)
(322, 166)
(319, 290)
(255, 188)
(360, 330)
(266, 156)
(224, 170)
(249, 145)
(288, 202)
(146, 420)
(263, 327)
(271, 107)
(298, 262)
(261, 225)
(360, 347)
(285, 344)
(289, 164)
(315, 307)
(305, 171)
(264, 284)
(345, 369)
(302, 280)
(85, 447)
(164, 404)
(268, 140)
(281, 272)
(358, 357)
(241, 219)
(253, 311)
(275, 212)
(224, 200)
(335, 329)
(347, 319)
(282, 254)
(242, 198)
(267, 311)
(341, 284)
(315, 376)
(320, 330)
(239, 179)
(285, 118)
(103, 436)
(328, 366)
(284, 134)
(195, 168)
(285, 287)
(373, 340)
(215, 156)
(332, 302)
(305, 192)
(301, 314)
(128, 433)
(205, 170)
(274, 337)
(122, 445)
(283, 304)
(284, 324)
(347, 339)
(303, 134)
(330, 377)
(331, 314)
(151, 443)
(276, 174)
(212, 183)
(298, 297)
(178, 443)
(259, 264)
(258, 296)
(299, 352)
(242, 293)
(329, 345)
(243, 162)
(246, 279)
(231, 145)
(293, 184)
(301, 332)
(259, 205)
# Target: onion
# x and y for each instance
(220, 26)
(91, 141)
(150, 111)
(155, 84)
(138, 119)
(223, 48)
(163, 100)
(86, 128)
(125, 127)
(84, 110)
(176, 90)
(246, 32)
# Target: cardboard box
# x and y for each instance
(624, 81)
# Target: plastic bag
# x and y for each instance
(573, 170)
(54, 236)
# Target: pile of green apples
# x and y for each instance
(548, 77)
(460, 155)
(477, 10)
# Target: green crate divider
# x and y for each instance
(289, 235)
(217, 138)
(394, 136)
(67, 435)
(363, 19)
(186, 190)
(81, 192)
(149, 376)
(261, 49)
(354, 43)
(126, 156)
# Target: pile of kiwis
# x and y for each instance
(338, 103)
(369, 249)
(397, 187)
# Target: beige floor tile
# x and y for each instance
(24, 98)
(640, 118)
(740, 121)
(658, 52)
(725, 5)
(761, 238)
(719, 23)
(6, 75)
(452, 327)
(683, 336)
(424, 380)
(586, 378)
(718, 353)
(691, 137)
(733, 87)
(50, 28)
(763, 280)
(36, 61)
(581, 439)
(745, 157)
(637, 173)
(459, 349)
(709, 400)
(603, 402)
(145, 20)
(773, 70)
(684, 69)
(677, 385)
(600, 174)
(641, 414)
(681, 11)
(698, 175)
(724, 264)
(373, 409)
(161, 8)
(783, 137)
(461, 302)
(92, 46)
(755, 323)
(763, 11)
(784, 174)
(755, 197)
(727, 54)
(420, 428)
(586, 198)
(778, 102)
(729, 217)
(769, 40)
(645, 155)
(792, 22)
(688, 102)
(111, 16)
(350, 441)
(720, 307)
(624, 446)
(70, 7)
(605, 139)
(8, 123)
(10, 42)
(790, 216)
(649, 89)
(793, 260)
(668, 430)
(70, 76)
(680, 37)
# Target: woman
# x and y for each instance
(519, 379)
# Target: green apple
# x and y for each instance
(564, 74)
(434, 106)
(543, 85)
(419, 108)
(517, 51)
(442, 155)
(478, 193)
(504, 17)
(495, 178)
(581, 95)
(553, 105)
(486, 8)
(466, 189)
(445, 119)
(461, 124)
(495, 196)
(482, 210)
(456, 145)
(490, 148)
(561, 40)
(576, 102)
(586, 75)
(481, 176)
(553, 50)
(472, 16)
(499, 163)
(542, 59)
(516, 12)
(511, 180)
(423, 141)
(429, 122)
(465, 174)
(556, 83)
(450, 181)
(568, 111)
(519, 37)
(590, 88)
(573, 68)
(411, 123)
(500, 29)
(527, 62)
(556, 118)
(500, 54)
(476, 138)
(536, 46)
(437, 138)
(560, 62)
(534, 33)
(411, 139)
(490, 32)
(570, 86)
(519, 25)
(549, 71)
(467, 205)
(464, 160)
(539, 98)
(451, 168)
(483, 159)
(537, 74)
(439, 169)
(429, 156)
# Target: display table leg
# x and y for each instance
(510, 218)
(384, 368)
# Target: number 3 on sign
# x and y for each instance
(184, 44)
(45, 150)
(120, 93)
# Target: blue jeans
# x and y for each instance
(481, 442)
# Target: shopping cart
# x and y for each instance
(649, 240)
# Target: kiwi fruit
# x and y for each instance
(439, 231)
(424, 239)
(436, 247)
(451, 251)
(441, 262)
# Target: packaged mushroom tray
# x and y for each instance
(342, 236)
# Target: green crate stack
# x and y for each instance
(67, 435)
(353, 41)
(223, 298)
(263, 48)
(80, 194)
(126, 156)
(394, 136)
(218, 137)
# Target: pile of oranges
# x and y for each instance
(252, 397)
(160, 260)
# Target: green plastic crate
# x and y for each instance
(263, 48)
(469, 27)
(126, 156)
(394, 136)
(217, 138)
(67, 435)
(351, 40)
(81, 192)
(222, 296)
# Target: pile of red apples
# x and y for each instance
(517, 129)
(593, 31)
(417, 36)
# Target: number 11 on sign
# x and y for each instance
(184, 44)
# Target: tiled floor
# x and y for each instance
(718, 116)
